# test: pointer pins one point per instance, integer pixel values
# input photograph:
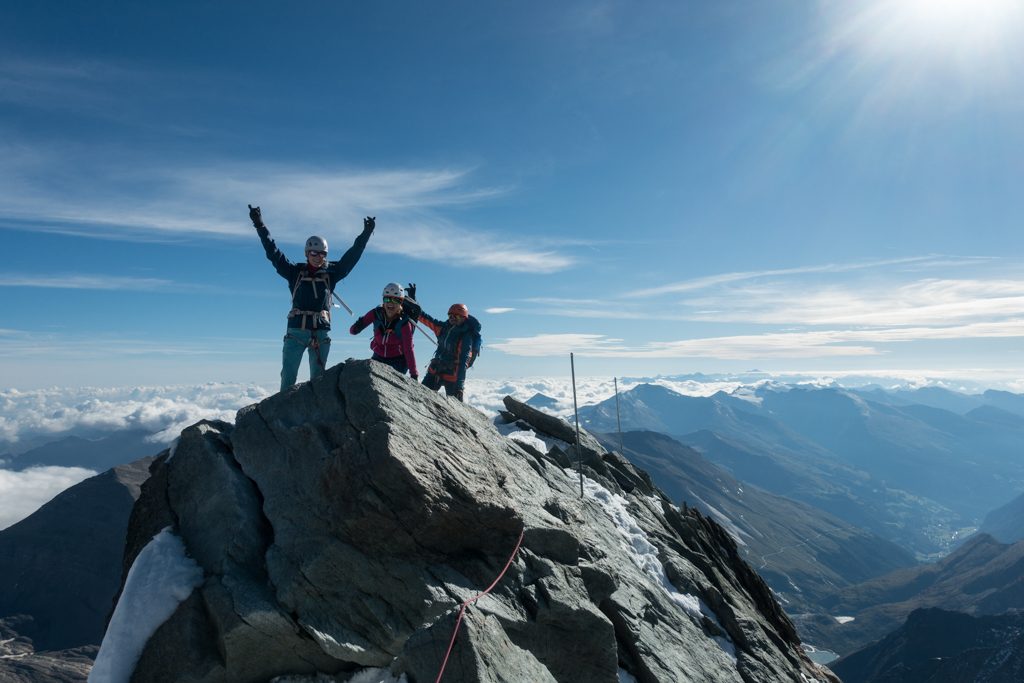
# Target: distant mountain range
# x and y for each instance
(911, 472)
(97, 453)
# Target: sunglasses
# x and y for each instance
(317, 253)
(392, 300)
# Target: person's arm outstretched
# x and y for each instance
(343, 266)
(282, 265)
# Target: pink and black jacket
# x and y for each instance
(391, 340)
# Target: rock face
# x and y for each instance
(804, 554)
(341, 523)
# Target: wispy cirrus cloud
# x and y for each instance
(929, 301)
(137, 202)
(711, 281)
(768, 345)
(112, 282)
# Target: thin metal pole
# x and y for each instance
(618, 420)
(579, 459)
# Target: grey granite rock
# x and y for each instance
(341, 523)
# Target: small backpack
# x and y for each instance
(476, 341)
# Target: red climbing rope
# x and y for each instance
(467, 603)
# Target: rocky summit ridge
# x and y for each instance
(338, 526)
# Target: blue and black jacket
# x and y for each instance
(312, 289)
(456, 345)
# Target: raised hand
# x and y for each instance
(255, 216)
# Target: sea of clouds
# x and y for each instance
(33, 418)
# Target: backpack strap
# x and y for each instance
(320, 276)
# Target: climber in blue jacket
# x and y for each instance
(312, 285)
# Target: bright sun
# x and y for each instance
(959, 22)
(962, 30)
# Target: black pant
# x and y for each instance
(397, 362)
(433, 381)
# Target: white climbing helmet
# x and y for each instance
(393, 289)
(316, 243)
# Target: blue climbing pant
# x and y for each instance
(296, 342)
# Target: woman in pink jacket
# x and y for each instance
(392, 341)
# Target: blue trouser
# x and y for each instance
(296, 341)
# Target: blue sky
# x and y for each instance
(655, 186)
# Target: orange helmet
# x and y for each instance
(459, 309)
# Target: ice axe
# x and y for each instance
(343, 304)
(432, 341)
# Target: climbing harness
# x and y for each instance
(462, 609)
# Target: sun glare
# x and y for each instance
(958, 28)
(970, 24)
(903, 45)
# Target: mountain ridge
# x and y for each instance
(362, 473)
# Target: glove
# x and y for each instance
(412, 309)
(255, 216)
(410, 290)
(472, 359)
(369, 223)
(358, 326)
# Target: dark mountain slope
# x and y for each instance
(1006, 523)
(981, 577)
(62, 564)
(803, 553)
(939, 646)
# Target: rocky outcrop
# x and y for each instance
(339, 525)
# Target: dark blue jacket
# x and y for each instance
(311, 290)
(455, 345)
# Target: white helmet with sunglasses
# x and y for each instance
(316, 243)
(394, 290)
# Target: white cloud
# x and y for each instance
(165, 411)
(487, 395)
(22, 493)
(112, 282)
(561, 344)
(135, 201)
(799, 344)
(726, 278)
(497, 310)
(922, 302)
